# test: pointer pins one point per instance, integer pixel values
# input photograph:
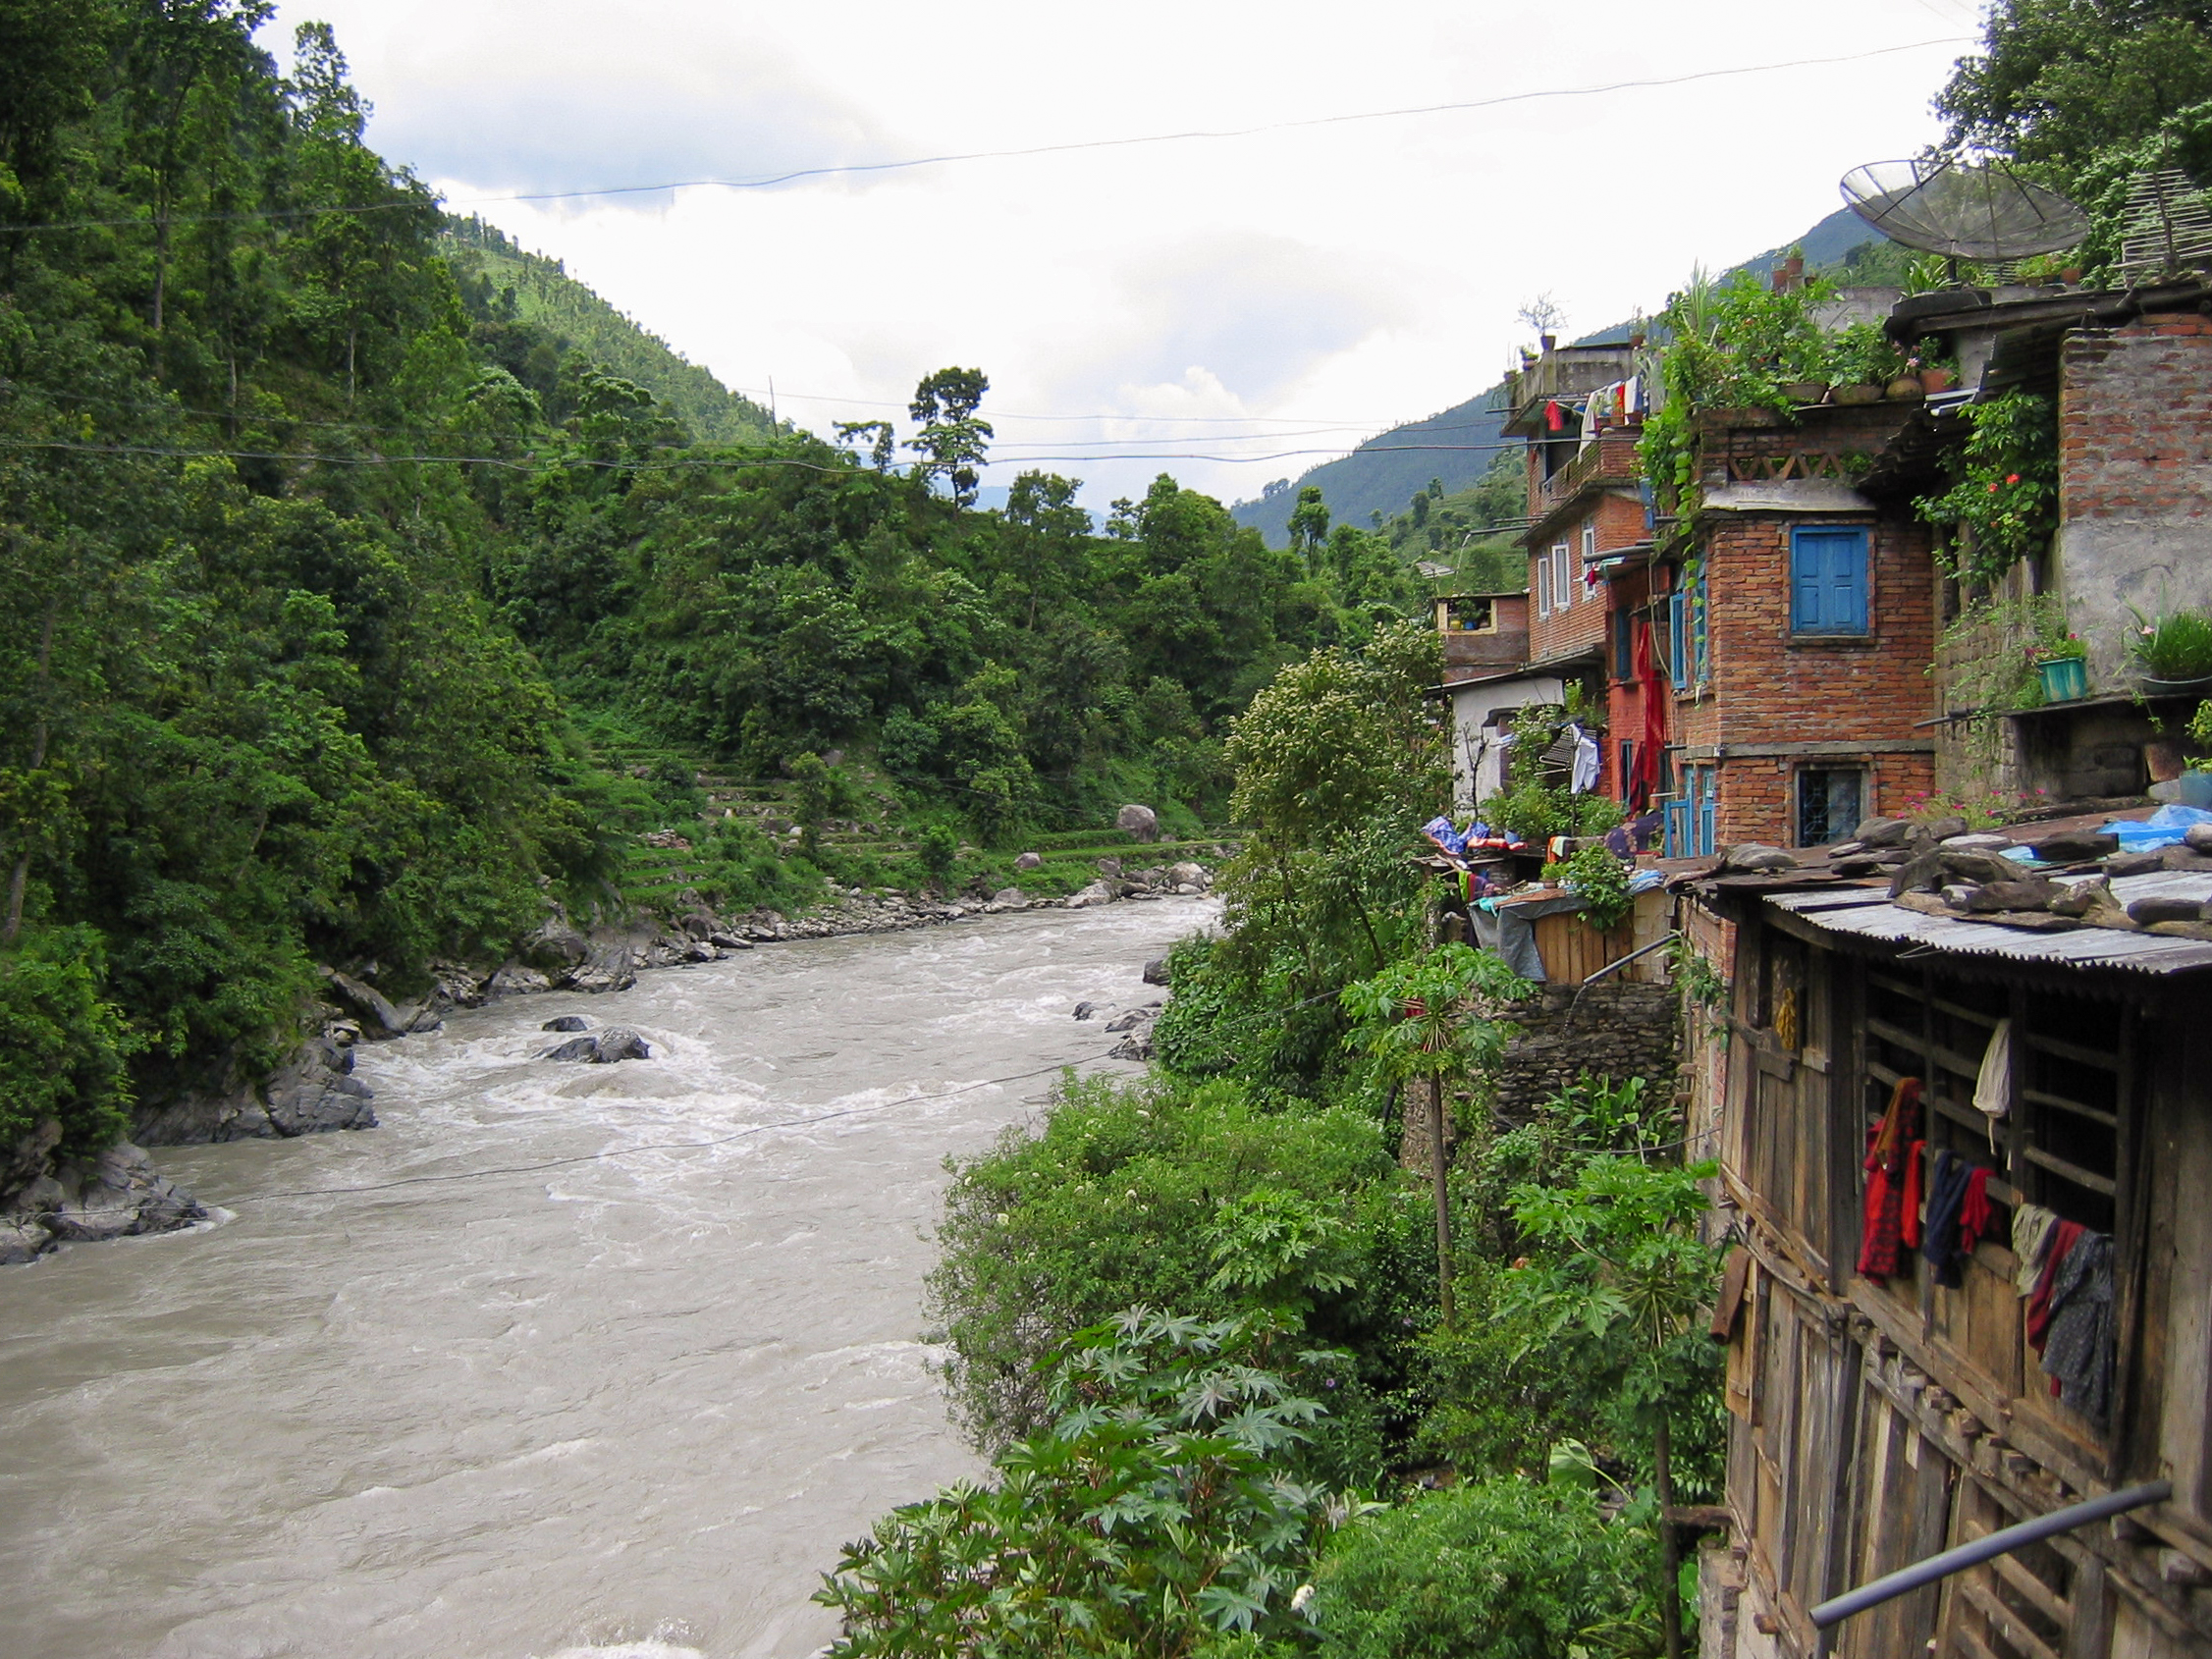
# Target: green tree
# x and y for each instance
(1309, 524)
(953, 438)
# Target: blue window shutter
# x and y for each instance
(1678, 828)
(1828, 581)
(1705, 815)
(1807, 590)
(1700, 665)
(1678, 660)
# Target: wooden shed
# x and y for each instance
(1879, 1417)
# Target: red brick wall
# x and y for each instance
(2135, 481)
(1770, 687)
(2137, 420)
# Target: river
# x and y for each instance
(621, 1406)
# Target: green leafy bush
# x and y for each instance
(1504, 1569)
(64, 1049)
(1134, 1193)
(2004, 495)
(1599, 879)
(1161, 1513)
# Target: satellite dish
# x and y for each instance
(1977, 210)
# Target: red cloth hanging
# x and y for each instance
(1913, 1197)
(1888, 1156)
(1652, 689)
(1973, 1211)
(2064, 1237)
(1553, 419)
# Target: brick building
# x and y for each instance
(1579, 407)
(1800, 630)
(2131, 375)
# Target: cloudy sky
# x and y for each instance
(1257, 297)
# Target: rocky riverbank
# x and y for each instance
(46, 1201)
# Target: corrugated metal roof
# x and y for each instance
(1868, 913)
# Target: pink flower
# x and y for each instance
(2012, 477)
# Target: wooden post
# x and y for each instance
(1436, 1176)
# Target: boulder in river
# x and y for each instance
(379, 1018)
(1098, 892)
(1156, 971)
(566, 1022)
(514, 980)
(612, 966)
(615, 1043)
(312, 1093)
(1084, 1011)
(1188, 875)
(113, 1196)
(1009, 898)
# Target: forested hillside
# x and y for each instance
(504, 285)
(324, 535)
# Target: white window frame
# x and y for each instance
(1544, 584)
(1590, 549)
(1564, 594)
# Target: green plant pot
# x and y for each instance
(2065, 679)
(2153, 686)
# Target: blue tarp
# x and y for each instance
(2164, 827)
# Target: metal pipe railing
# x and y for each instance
(1922, 1574)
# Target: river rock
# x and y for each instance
(118, 1195)
(558, 944)
(1131, 1047)
(1009, 898)
(514, 980)
(1098, 892)
(566, 1022)
(1030, 861)
(379, 1018)
(1188, 875)
(312, 1093)
(1084, 1011)
(615, 1043)
(725, 940)
(1141, 823)
(612, 966)
(1156, 971)
(1109, 868)
(1127, 1022)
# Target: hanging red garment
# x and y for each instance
(1888, 1156)
(1974, 1211)
(1553, 419)
(1652, 689)
(2064, 1237)
(1913, 1198)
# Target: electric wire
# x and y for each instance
(851, 169)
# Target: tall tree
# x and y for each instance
(953, 437)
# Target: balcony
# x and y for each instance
(1612, 460)
(1565, 372)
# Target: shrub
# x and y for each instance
(1506, 1569)
(2177, 646)
(1162, 1513)
(63, 1046)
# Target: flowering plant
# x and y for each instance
(2071, 648)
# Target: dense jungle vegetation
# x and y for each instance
(330, 527)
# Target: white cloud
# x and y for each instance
(1328, 276)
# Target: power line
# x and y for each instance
(726, 462)
(850, 169)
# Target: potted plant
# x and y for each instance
(2061, 664)
(2172, 654)
(1926, 362)
(1865, 362)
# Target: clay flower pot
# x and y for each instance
(1937, 379)
(1903, 386)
